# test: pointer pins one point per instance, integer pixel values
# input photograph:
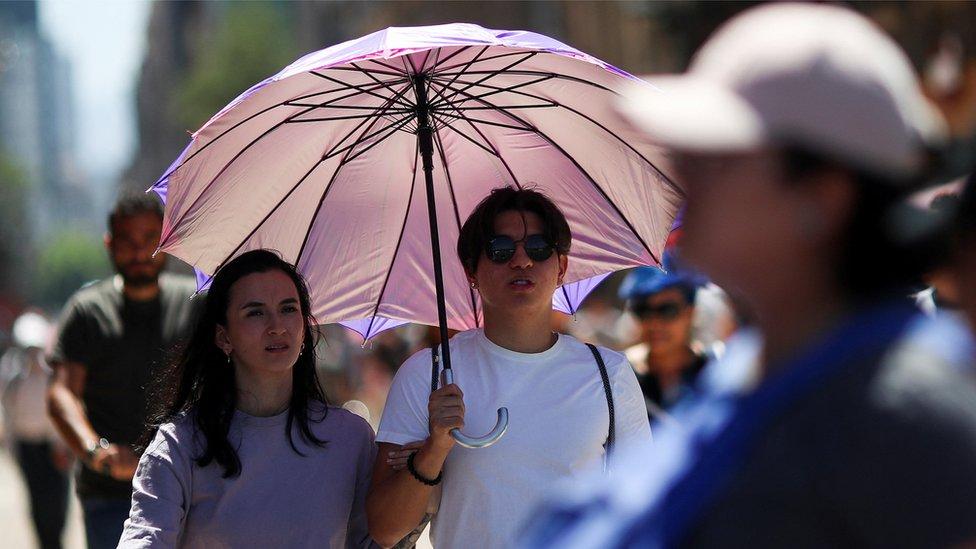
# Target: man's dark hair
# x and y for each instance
(480, 226)
(130, 203)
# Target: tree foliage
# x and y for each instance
(14, 232)
(67, 261)
(252, 42)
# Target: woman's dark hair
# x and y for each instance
(881, 253)
(202, 383)
(480, 225)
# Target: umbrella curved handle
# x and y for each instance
(501, 425)
(497, 432)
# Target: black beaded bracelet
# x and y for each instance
(418, 476)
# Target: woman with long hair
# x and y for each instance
(244, 450)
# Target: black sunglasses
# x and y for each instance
(501, 248)
(665, 311)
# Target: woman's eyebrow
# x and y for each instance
(288, 301)
(250, 304)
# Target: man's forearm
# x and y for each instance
(69, 417)
(396, 504)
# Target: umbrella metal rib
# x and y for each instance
(589, 178)
(492, 149)
(491, 74)
(515, 90)
(342, 162)
(396, 251)
(457, 213)
(285, 103)
(363, 89)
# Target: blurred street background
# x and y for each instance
(98, 96)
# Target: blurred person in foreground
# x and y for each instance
(799, 128)
(112, 337)
(964, 250)
(666, 359)
(43, 460)
(571, 404)
(243, 450)
(942, 294)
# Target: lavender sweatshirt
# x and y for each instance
(280, 499)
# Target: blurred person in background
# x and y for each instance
(942, 293)
(799, 130)
(375, 370)
(599, 321)
(243, 449)
(112, 337)
(666, 358)
(43, 459)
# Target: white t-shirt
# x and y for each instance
(558, 424)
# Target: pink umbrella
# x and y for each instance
(320, 162)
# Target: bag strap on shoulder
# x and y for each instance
(606, 389)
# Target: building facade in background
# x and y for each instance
(40, 189)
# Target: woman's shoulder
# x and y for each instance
(339, 422)
(173, 437)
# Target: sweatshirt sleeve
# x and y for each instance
(160, 496)
(357, 532)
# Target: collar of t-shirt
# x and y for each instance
(508, 355)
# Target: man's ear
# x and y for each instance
(829, 203)
(563, 266)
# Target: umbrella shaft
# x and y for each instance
(425, 135)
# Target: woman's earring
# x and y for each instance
(228, 359)
(474, 285)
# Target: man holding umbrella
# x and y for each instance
(514, 248)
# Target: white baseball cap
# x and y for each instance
(815, 76)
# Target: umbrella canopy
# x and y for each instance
(322, 162)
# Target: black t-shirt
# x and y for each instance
(884, 455)
(655, 396)
(122, 344)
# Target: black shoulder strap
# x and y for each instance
(435, 361)
(606, 389)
